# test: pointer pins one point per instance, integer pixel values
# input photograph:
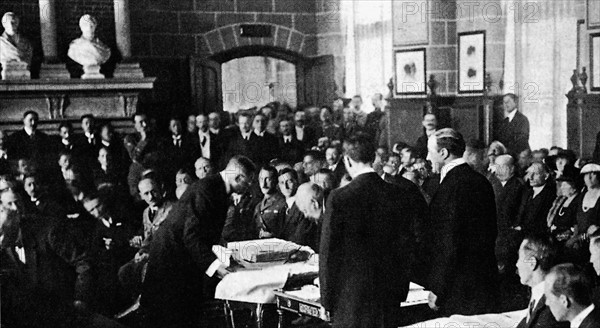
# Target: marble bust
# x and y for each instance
(88, 50)
(15, 50)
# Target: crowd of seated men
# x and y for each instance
(91, 201)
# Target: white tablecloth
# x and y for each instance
(492, 320)
(256, 286)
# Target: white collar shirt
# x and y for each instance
(511, 115)
(448, 167)
(578, 320)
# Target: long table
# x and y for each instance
(305, 301)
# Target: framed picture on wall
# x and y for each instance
(409, 71)
(593, 14)
(410, 20)
(471, 62)
(595, 61)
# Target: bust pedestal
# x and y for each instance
(128, 70)
(15, 71)
(92, 72)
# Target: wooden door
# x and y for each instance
(315, 81)
(207, 94)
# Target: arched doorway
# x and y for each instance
(314, 76)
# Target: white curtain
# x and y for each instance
(368, 50)
(540, 56)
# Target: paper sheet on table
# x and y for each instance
(491, 320)
(256, 286)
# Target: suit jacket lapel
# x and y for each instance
(536, 312)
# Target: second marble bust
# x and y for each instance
(88, 50)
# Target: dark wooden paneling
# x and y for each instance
(583, 124)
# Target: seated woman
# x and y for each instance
(588, 213)
(563, 214)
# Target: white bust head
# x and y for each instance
(88, 24)
(10, 22)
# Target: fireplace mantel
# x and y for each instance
(69, 99)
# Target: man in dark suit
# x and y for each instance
(88, 142)
(243, 142)
(334, 163)
(302, 132)
(292, 150)
(110, 247)
(29, 142)
(207, 144)
(266, 144)
(513, 130)
(66, 142)
(462, 236)
(177, 147)
(568, 295)
(39, 202)
(508, 189)
(537, 201)
(430, 126)
(45, 275)
(537, 255)
(361, 285)
(181, 257)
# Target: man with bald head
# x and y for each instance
(508, 189)
(537, 201)
(203, 168)
(310, 200)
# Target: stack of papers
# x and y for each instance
(263, 250)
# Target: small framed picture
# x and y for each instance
(595, 61)
(410, 71)
(471, 62)
(593, 14)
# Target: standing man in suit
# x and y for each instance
(361, 285)
(243, 141)
(462, 236)
(177, 148)
(142, 148)
(206, 143)
(568, 295)
(292, 150)
(181, 260)
(88, 143)
(537, 201)
(29, 142)
(429, 128)
(537, 255)
(513, 131)
(303, 132)
(266, 145)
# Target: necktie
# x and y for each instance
(531, 308)
(203, 141)
(151, 215)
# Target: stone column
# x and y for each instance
(123, 28)
(48, 30)
(127, 69)
(51, 67)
